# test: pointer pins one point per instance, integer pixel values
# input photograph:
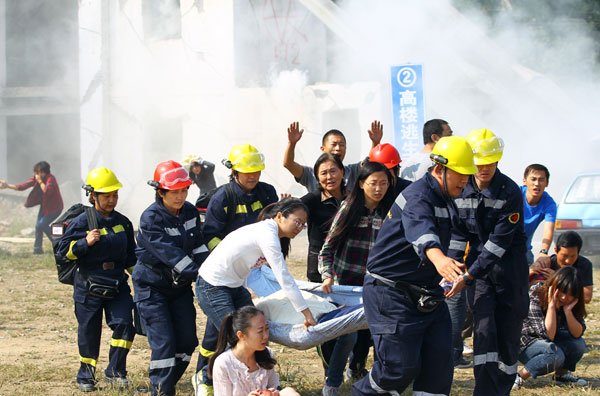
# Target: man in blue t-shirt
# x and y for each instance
(538, 206)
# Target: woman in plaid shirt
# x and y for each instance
(551, 339)
(343, 258)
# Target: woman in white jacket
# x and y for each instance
(220, 285)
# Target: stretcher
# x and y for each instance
(349, 318)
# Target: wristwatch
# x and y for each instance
(468, 281)
(545, 251)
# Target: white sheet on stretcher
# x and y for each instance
(263, 283)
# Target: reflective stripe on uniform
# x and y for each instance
(441, 212)
(256, 206)
(457, 245)
(70, 254)
(213, 243)
(466, 203)
(183, 264)
(426, 238)
(492, 357)
(510, 370)
(206, 352)
(200, 249)
(120, 343)
(163, 363)
(401, 201)
(172, 231)
(494, 249)
(238, 209)
(489, 357)
(191, 223)
(90, 361)
(118, 228)
(377, 388)
(183, 357)
(493, 203)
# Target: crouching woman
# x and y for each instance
(551, 340)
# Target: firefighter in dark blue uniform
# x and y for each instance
(250, 197)
(491, 220)
(170, 251)
(403, 301)
(103, 254)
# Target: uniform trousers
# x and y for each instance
(410, 346)
(499, 307)
(169, 317)
(88, 310)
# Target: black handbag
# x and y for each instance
(101, 286)
(425, 300)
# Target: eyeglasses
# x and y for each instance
(299, 224)
(381, 184)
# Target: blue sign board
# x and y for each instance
(408, 108)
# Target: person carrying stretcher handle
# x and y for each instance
(403, 301)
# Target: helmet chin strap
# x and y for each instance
(446, 193)
(97, 202)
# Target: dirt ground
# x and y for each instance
(38, 333)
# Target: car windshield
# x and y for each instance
(585, 189)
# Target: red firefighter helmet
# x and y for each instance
(385, 154)
(170, 175)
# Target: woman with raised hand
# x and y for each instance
(343, 260)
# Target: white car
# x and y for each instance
(579, 210)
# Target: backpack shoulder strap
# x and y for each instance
(92, 220)
(231, 204)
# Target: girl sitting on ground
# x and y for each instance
(551, 339)
(247, 369)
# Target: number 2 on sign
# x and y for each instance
(406, 77)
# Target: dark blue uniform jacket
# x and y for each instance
(169, 240)
(492, 222)
(116, 244)
(421, 218)
(247, 208)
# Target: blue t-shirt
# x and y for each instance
(545, 210)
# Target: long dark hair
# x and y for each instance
(353, 206)
(286, 206)
(325, 157)
(233, 322)
(568, 281)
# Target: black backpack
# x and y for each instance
(66, 268)
(204, 199)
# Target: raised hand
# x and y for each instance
(294, 132)
(376, 132)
